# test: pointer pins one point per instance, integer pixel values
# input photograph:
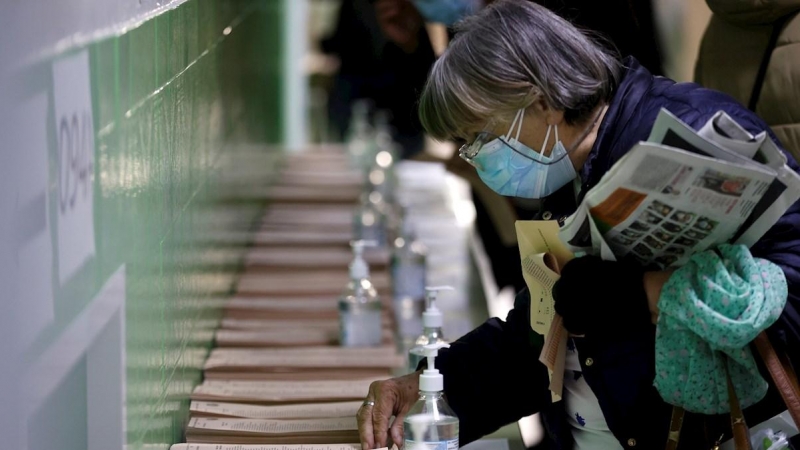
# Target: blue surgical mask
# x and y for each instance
(447, 12)
(513, 169)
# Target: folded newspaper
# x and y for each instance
(684, 191)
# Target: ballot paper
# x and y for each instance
(268, 447)
(296, 411)
(281, 303)
(542, 255)
(283, 308)
(302, 375)
(308, 194)
(276, 337)
(311, 258)
(291, 236)
(268, 431)
(231, 323)
(300, 175)
(327, 282)
(266, 392)
(303, 358)
(284, 337)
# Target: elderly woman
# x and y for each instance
(544, 112)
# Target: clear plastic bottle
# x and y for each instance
(359, 305)
(408, 265)
(432, 328)
(360, 136)
(383, 132)
(370, 220)
(431, 424)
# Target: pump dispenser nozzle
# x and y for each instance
(431, 380)
(359, 268)
(432, 317)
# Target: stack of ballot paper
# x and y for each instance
(220, 430)
(268, 447)
(290, 361)
(290, 411)
(278, 379)
(305, 283)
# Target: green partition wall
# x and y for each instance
(186, 105)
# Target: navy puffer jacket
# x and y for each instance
(493, 376)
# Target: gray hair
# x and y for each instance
(505, 58)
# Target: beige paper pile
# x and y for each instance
(311, 258)
(282, 392)
(285, 337)
(216, 430)
(283, 412)
(323, 282)
(268, 447)
(358, 362)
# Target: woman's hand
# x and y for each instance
(393, 397)
(596, 296)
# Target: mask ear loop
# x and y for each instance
(556, 141)
(521, 114)
(514, 123)
(546, 139)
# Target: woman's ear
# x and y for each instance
(555, 117)
(540, 108)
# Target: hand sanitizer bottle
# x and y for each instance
(359, 135)
(432, 328)
(430, 424)
(359, 305)
(369, 219)
(408, 265)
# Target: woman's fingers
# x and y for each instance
(364, 419)
(397, 429)
(385, 403)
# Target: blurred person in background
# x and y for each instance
(627, 25)
(751, 50)
(377, 69)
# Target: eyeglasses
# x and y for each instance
(470, 150)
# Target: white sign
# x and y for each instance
(75, 155)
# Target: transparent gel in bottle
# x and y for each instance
(431, 424)
(359, 305)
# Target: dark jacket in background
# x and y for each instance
(493, 376)
(735, 43)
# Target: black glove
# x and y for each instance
(596, 296)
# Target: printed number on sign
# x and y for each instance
(75, 155)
